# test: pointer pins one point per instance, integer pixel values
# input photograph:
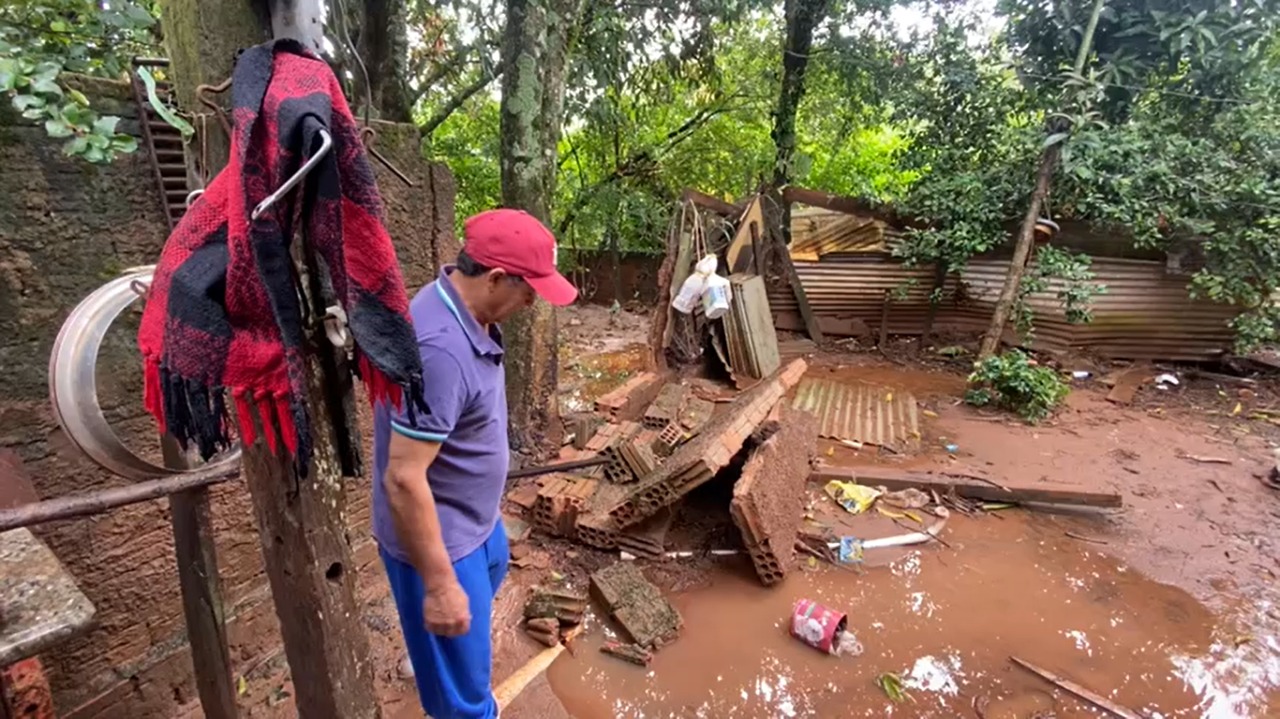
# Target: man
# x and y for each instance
(439, 475)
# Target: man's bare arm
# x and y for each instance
(413, 512)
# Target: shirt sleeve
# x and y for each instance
(445, 390)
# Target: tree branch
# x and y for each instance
(457, 101)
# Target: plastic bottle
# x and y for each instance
(716, 295)
(692, 289)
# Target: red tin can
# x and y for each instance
(816, 625)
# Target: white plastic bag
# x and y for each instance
(715, 297)
(693, 287)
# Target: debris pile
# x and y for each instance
(551, 613)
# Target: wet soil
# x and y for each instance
(1168, 606)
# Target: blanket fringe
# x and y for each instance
(189, 410)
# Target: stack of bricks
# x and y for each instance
(666, 408)
(696, 462)
(559, 502)
(628, 402)
(768, 499)
(637, 453)
(618, 470)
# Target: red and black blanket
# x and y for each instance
(224, 313)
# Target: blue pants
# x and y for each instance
(453, 673)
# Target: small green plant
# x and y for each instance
(1010, 381)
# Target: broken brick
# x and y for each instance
(768, 499)
(633, 653)
(637, 605)
(667, 440)
(618, 470)
(584, 428)
(666, 407)
(628, 402)
(544, 629)
(637, 453)
(695, 415)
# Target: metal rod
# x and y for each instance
(562, 467)
(104, 500)
(83, 505)
(326, 143)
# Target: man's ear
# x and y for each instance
(495, 276)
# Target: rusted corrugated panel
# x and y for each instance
(816, 233)
(860, 412)
(1145, 313)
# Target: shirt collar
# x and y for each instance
(484, 343)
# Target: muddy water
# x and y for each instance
(586, 378)
(946, 621)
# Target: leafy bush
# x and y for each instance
(1010, 381)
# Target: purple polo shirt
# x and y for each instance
(466, 393)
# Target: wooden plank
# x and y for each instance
(811, 325)
(847, 205)
(1092, 697)
(968, 488)
(707, 202)
(741, 255)
(201, 591)
(764, 338)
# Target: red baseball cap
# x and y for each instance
(517, 243)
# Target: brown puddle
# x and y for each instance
(946, 620)
(585, 379)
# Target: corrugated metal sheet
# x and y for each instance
(816, 233)
(860, 412)
(1145, 313)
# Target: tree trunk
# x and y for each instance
(803, 16)
(384, 46)
(301, 524)
(534, 50)
(1026, 234)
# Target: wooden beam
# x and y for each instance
(201, 591)
(986, 491)
(849, 206)
(807, 314)
(707, 202)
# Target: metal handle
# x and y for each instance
(326, 143)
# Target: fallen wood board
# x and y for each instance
(1095, 699)
(1127, 384)
(511, 687)
(741, 254)
(969, 489)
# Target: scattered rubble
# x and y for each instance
(637, 605)
(633, 653)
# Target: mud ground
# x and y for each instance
(1168, 606)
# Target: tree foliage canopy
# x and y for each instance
(1170, 135)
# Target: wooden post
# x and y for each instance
(201, 591)
(301, 523)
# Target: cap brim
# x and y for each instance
(554, 288)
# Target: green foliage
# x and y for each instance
(1068, 275)
(39, 41)
(1011, 382)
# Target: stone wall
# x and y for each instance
(65, 228)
